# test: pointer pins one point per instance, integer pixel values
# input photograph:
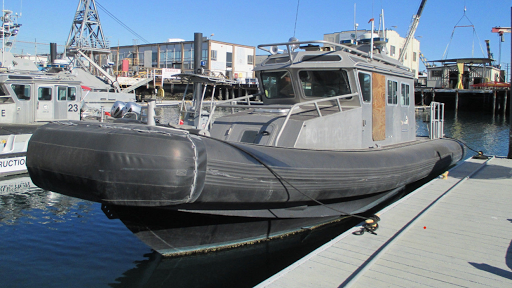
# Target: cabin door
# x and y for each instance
(44, 105)
(378, 107)
(66, 105)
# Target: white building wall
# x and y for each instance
(240, 68)
(393, 46)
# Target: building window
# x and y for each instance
(392, 90)
(214, 55)
(229, 59)
(250, 59)
(414, 56)
(392, 50)
(404, 99)
(436, 73)
(365, 82)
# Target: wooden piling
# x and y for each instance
(456, 100)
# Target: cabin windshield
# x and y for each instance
(326, 83)
(277, 84)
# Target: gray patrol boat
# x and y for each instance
(334, 135)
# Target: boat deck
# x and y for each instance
(453, 232)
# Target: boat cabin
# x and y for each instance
(30, 98)
(325, 97)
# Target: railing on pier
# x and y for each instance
(436, 120)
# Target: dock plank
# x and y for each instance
(453, 232)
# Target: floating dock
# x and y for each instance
(454, 231)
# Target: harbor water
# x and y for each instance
(50, 240)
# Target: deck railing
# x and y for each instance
(436, 120)
(288, 109)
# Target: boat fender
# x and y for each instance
(370, 225)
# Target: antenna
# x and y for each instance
(296, 16)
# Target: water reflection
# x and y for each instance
(481, 131)
(50, 240)
(19, 197)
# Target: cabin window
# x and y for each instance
(21, 91)
(277, 84)
(277, 60)
(317, 83)
(365, 81)
(71, 93)
(4, 96)
(44, 94)
(392, 91)
(322, 58)
(62, 93)
(404, 100)
(2, 91)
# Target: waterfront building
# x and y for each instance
(221, 59)
(463, 73)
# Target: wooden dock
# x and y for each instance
(453, 232)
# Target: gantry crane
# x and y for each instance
(501, 31)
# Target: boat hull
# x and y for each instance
(178, 233)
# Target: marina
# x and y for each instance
(324, 163)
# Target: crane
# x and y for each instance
(501, 31)
(424, 60)
(412, 30)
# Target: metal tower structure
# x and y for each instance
(86, 33)
(86, 41)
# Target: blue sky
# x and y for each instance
(267, 21)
